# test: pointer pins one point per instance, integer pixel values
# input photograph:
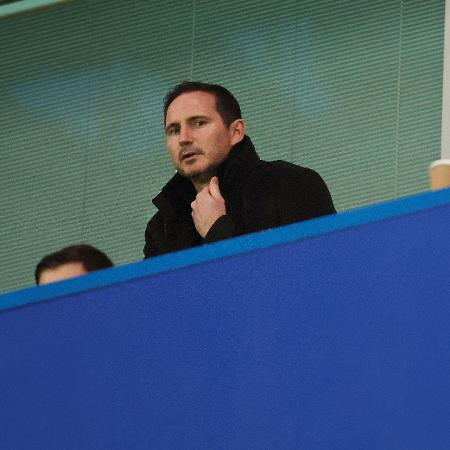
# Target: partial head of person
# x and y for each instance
(70, 262)
(202, 123)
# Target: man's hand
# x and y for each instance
(207, 207)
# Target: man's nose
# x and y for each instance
(185, 136)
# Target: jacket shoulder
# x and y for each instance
(295, 187)
(285, 172)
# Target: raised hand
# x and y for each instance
(207, 207)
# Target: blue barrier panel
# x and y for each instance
(333, 333)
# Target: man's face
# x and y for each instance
(197, 138)
(63, 272)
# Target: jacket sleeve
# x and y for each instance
(223, 228)
(154, 233)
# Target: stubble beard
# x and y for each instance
(203, 178)
(197, 177)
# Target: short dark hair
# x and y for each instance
(91, 258)
(226, 104)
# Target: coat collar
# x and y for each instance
(176, 196)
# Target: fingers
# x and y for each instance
(207, 207)
(214, 189)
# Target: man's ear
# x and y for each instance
(237, 131)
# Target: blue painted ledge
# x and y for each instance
(242, 244)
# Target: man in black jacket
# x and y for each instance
(222, 189)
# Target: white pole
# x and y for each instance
(439, 170)
(445, 137)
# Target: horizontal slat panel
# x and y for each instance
(351, 89)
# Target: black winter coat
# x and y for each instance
(258, 195)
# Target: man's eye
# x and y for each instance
(199, 122)
(173, 131)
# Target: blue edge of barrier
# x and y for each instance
(222, 249)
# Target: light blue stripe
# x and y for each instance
(255, 241)
(25, 5)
